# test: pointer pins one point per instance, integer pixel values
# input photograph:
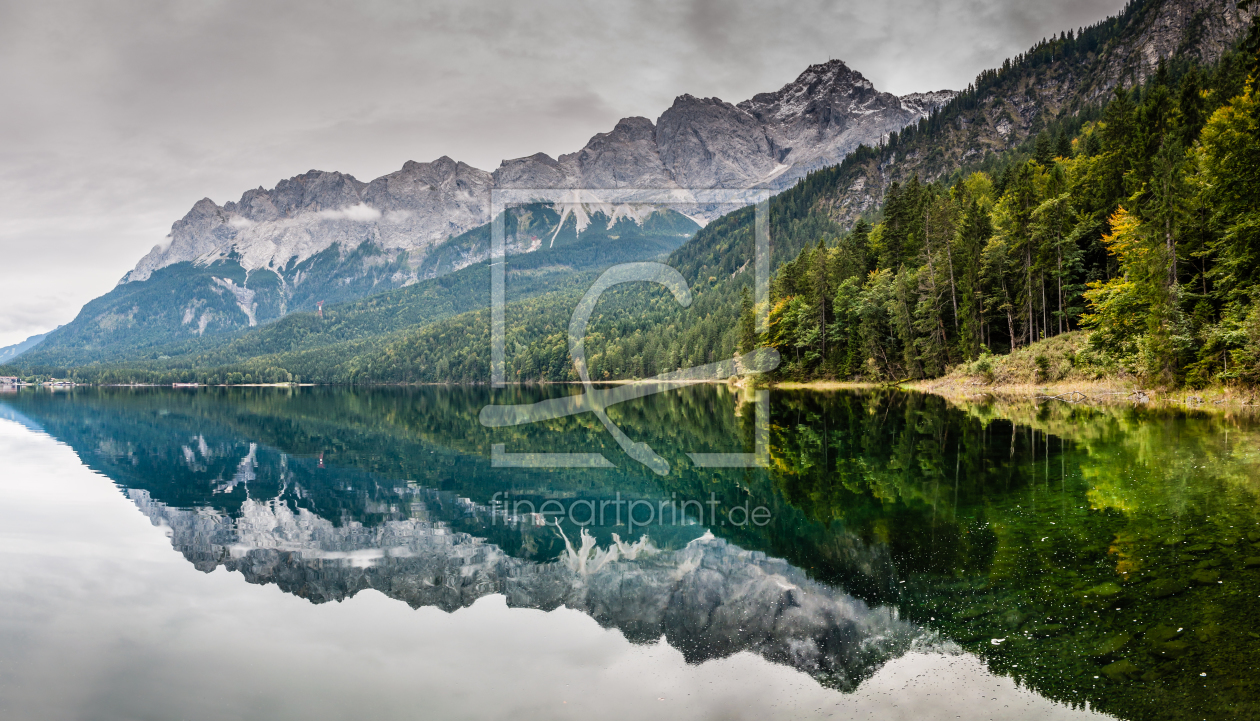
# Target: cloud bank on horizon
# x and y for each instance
(122, 115)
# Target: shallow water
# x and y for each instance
(333, 553)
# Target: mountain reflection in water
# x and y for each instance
(1106, 558)
(709, 599)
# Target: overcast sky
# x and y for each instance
(119, 115)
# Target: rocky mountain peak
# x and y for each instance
(316, 190)
(625, 157)
(710, 143)
(440, 172)
(204, 214)
(203, 207)
(630, 130)
(822, 81)
(444, 165)
(688, 102)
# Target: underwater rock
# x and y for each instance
(1173, 649)
(1165, 587)
(1121, 670)
(1013, 619)
(1206, 577)
(1112, 645)
(1252, 562)
(1103, 590)
(1162, 634)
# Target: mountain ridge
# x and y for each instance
(10, 353)
(695, 143)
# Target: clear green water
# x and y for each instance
(1059, 562)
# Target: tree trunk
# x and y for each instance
(1045, 317)
(1059, 254)
(927, 242)
(1010, 316)
(1030, 330)
(953, 293)
(1172, 256)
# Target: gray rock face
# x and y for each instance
(306, 214)
(709, 599)
(709, 143)
(769, 141)
(827, 112)
(925, 103)
(1201, 29)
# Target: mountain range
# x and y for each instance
(771, 140)
(325, 236)
(829, 143)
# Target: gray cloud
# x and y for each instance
(121, 115)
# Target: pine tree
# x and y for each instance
(973, 234)
(1044, 154)
(1063, 145)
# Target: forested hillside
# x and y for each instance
(1064, 77)
(1142, 229)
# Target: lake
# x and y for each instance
(704, 552)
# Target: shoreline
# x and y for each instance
(1096, 392)
(961, 389)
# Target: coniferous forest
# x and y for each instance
(1140, 228)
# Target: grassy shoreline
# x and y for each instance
(1059, 369)
(964, 389)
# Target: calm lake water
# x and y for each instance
(324, 553)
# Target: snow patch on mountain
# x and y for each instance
(583, 204)
(244, 298)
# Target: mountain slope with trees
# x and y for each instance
(187, 310)
(1139, 228)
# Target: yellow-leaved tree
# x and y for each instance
(1118, 308)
